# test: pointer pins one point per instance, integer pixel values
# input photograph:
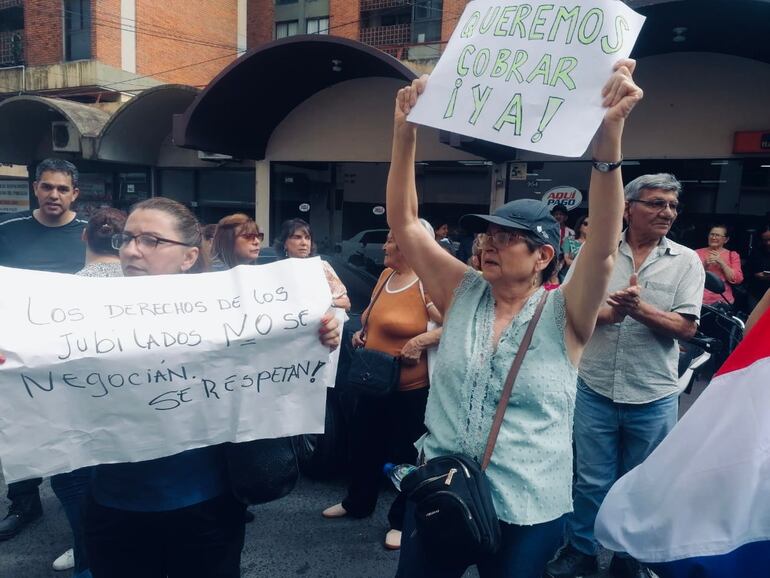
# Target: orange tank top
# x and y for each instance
(395, 318)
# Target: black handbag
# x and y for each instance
(455, 517)
(261, 471)
(373, 372)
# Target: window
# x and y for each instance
(318, 25)
(77, 29)
(283, 2)
(426, 20)
(287, 28)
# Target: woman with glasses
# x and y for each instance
(722, 262)
(296, 241)
(174, 516)
(486, 315)
(236, 242)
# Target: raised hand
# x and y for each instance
(406, 98)
(621, 93)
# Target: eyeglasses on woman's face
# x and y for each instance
(501, 238)
(144, 241)
(251, 237)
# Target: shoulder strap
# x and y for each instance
(374, 300)
(509, 381)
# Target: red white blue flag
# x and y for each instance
(699, 506)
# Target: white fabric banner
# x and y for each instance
(529, 75)
(103, 370)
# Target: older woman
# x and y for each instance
(722, 262)
(237, 241)
(102, 260)
(173, 516)
(384, 430)
(487, 314)
(296, 241)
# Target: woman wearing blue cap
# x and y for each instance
(487, 314)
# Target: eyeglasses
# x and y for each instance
(716, 235)
(143, 241)
(660, 205)
(502, 238)
(252, 236)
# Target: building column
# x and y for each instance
(262, 200)
(497, 183)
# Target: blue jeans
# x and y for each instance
(71, 489)
(524, 552)
(610, 440)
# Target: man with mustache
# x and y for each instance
(627, 396)
(46, 239)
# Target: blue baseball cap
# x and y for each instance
(523, 214)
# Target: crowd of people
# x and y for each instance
(586, 407)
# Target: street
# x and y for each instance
(288, 537)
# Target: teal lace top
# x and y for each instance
(531, 468)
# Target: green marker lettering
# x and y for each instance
(561, 72)
(450, 109)
(501, 63)
(518, 22)
(511, 115)
(519, 58)
(595, 14)
(564, 15)
(542, 69)
(534, 32)
(462, 70)
(470, 26)
(620, 26)
(479, 100)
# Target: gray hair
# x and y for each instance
(58, 166)
(662, 181)
(428, 227)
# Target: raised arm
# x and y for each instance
(585, 291)
(438, 270)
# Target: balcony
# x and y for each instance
(10, 4)
(390, 36)
(372, 5)
(11, 48)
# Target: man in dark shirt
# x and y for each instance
(46, 239)
(758, 278)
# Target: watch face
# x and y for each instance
(602, 167)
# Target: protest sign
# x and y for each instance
(131, 369)
(529, 75)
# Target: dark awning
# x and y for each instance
(240, 108)
(25, 126)
(136, 132)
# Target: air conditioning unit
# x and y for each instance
(65, 137)
(216, 157)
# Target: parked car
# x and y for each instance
(364, 250)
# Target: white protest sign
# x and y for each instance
(529, 75)
(131, 369)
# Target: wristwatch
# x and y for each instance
(604, 167)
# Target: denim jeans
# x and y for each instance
(71, 489)
(524, 552)
(610, 440)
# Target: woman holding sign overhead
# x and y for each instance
(174, 516)
(487, 315)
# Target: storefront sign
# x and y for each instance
(378, 210)
(14, 196)
(304, 208)
(757, 141)
(568, 196)
(529, 75)
(137, 368)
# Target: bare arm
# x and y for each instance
(412, 350)
(759, 311)
(666, 323)
(439, 271)
(584, 292)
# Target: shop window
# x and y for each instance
(77, 29)
(287, 28)
(317, 25)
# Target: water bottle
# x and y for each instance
(396, 473)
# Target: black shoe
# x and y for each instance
(571, 563)
(628, 568)
(248, 517)
(17, 518)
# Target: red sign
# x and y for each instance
(757, 141)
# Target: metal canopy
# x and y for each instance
(138, 129)
(25, 126)
(240, 108)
